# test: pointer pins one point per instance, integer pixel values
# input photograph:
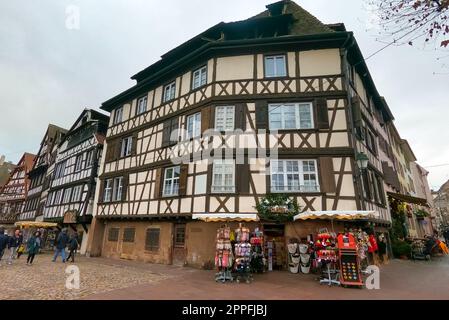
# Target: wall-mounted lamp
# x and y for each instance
(362, 160)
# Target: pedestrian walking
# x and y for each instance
(33, 246)
(61, 244)
(4, 239)
(73, 246)
(14, 242)
(446, 236)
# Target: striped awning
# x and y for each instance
(337, 215)
(223, 217)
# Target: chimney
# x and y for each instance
(277, 8)
(2, 160)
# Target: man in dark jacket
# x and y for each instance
(4, 239)
(14, 242)
(60, 244)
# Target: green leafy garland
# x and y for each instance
(273, 200)
(420, 213)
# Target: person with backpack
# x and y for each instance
(73, 246)
(4, 240)
(33, 246)
(60, 245)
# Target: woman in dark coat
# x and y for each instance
(33, 247)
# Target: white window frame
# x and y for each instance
(300, 173)
(272, 107)
(90, 158)
(199, 77)
(118, 115)
(76, 193)
(67, 195)
(79, 162)
(193, 127)
(107, 195)
(58, 197)
(126, 146)
(141, 107)
(227, 113)
(169, 91)
(276, 72)
(219, 168)
(117, 189)
(172, 179)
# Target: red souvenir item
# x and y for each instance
(373, 244)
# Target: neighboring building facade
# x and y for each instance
(74, 173)
(39, 180)
(5, 170)
(282, 71)
(441, 203)
(14, 193)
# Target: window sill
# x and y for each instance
(275, 77)
(317, 192)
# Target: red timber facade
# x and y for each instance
(13, 194)
(303, 82)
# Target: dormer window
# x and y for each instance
(275, 66)
(199, 77)
(118, 115)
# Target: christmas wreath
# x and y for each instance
(277, 207)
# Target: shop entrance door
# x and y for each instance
(275, 249)
(179, 244)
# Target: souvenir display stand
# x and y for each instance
(294, 257)
(305, 257)
(326, 256)
(223, 255)
(243, 255)
(257, 252)
(350, 274)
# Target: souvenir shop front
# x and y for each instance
(46, 229)
(339, 246)
(241, 245)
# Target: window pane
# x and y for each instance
(305, 117)
(280, 66)
(293, 182)
(269, 67)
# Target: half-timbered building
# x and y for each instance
(289, 95)
(14, 193)
(39, 180)
(74, 173)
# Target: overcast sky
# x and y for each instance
(49, 73)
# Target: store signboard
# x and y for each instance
(70, 217)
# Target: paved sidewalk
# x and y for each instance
(102, 278)
(399, 280)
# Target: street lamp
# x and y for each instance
(362, 160)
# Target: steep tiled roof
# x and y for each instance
(305, 22)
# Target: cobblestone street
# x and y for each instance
(121, 279)
(46, 279)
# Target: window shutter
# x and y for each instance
(205, 119)
(174, 127)
(357, 116)
(125, 183)
(101, 190)
(322, 113)
(158, 183)
(166, 131)
(183, 171)
(242, 177)
(239, 116)
(134, 144)
(118, 147)
(327, 175)
(262, 115)
(109, 150)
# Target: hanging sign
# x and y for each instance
(70, 217)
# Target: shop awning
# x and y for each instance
(408, 199)
(35, 224)
(222, 217)
(336, 215)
